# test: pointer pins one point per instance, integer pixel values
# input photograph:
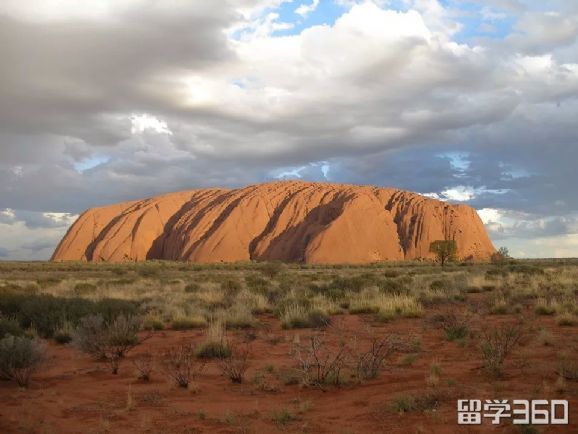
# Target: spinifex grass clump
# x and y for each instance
(215, 345)
(394, 306)
(188, 322)
(302, 315)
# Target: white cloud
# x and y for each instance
(306, 9)
(184, 94)
(143, 122)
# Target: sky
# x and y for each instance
(467, 101)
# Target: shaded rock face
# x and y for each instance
(288, 221)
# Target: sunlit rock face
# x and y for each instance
(287, 221)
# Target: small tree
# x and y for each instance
(501, 255)
(445, 250)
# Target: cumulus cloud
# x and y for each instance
(306, 9)
(132, 98)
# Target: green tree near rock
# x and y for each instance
(445, 250)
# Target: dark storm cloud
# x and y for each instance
(379, 104)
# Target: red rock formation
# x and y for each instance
(289, 221)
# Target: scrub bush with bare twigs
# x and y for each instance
(235, 366)
(144, 364)
(181, 364)
(497, 344)
(107, 340)
(319, 363)
(369, 362)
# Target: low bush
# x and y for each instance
(496, 345)
(369, 362)
(303, 316)
(454, 325)
(84, 289)
(181, 365)
(319, 363)
(10, 326)
(187, 323)
(144, 364)
(282, 417)
(272, 269)
(213, 350)
(20, 358)
(235, 366)
(46, 313)
(192, 288)
(566, 319)
(394, 306)
(567, 366)
(107, 340)
(63, 334)
(545, 307)
(407, 402)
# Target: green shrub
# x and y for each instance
(213, 350)
(48, 282)
(392, 286)
(111, 308)
(20, 358)
(181, 366)
(272, 269)
(84, 289)
(187, 323)
(63, 334)
(529, 270)
(407, 403)
(297, 315)
(496, 346)
(10, 326)
(257, 283)
(192, 288)
(282, 417)
(566, 319)
(231, 286)
(153, 322)
(545, 307)
(46, 313)
(107, 340)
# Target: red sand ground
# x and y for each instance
(78, 395)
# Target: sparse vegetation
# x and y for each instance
(215, 345)
(369, 362)
(144, 364)
(181, 365)
(235, 366)
(496, 345)
(107, 340)
(20, 358)
(319, 363)
(338, 330)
